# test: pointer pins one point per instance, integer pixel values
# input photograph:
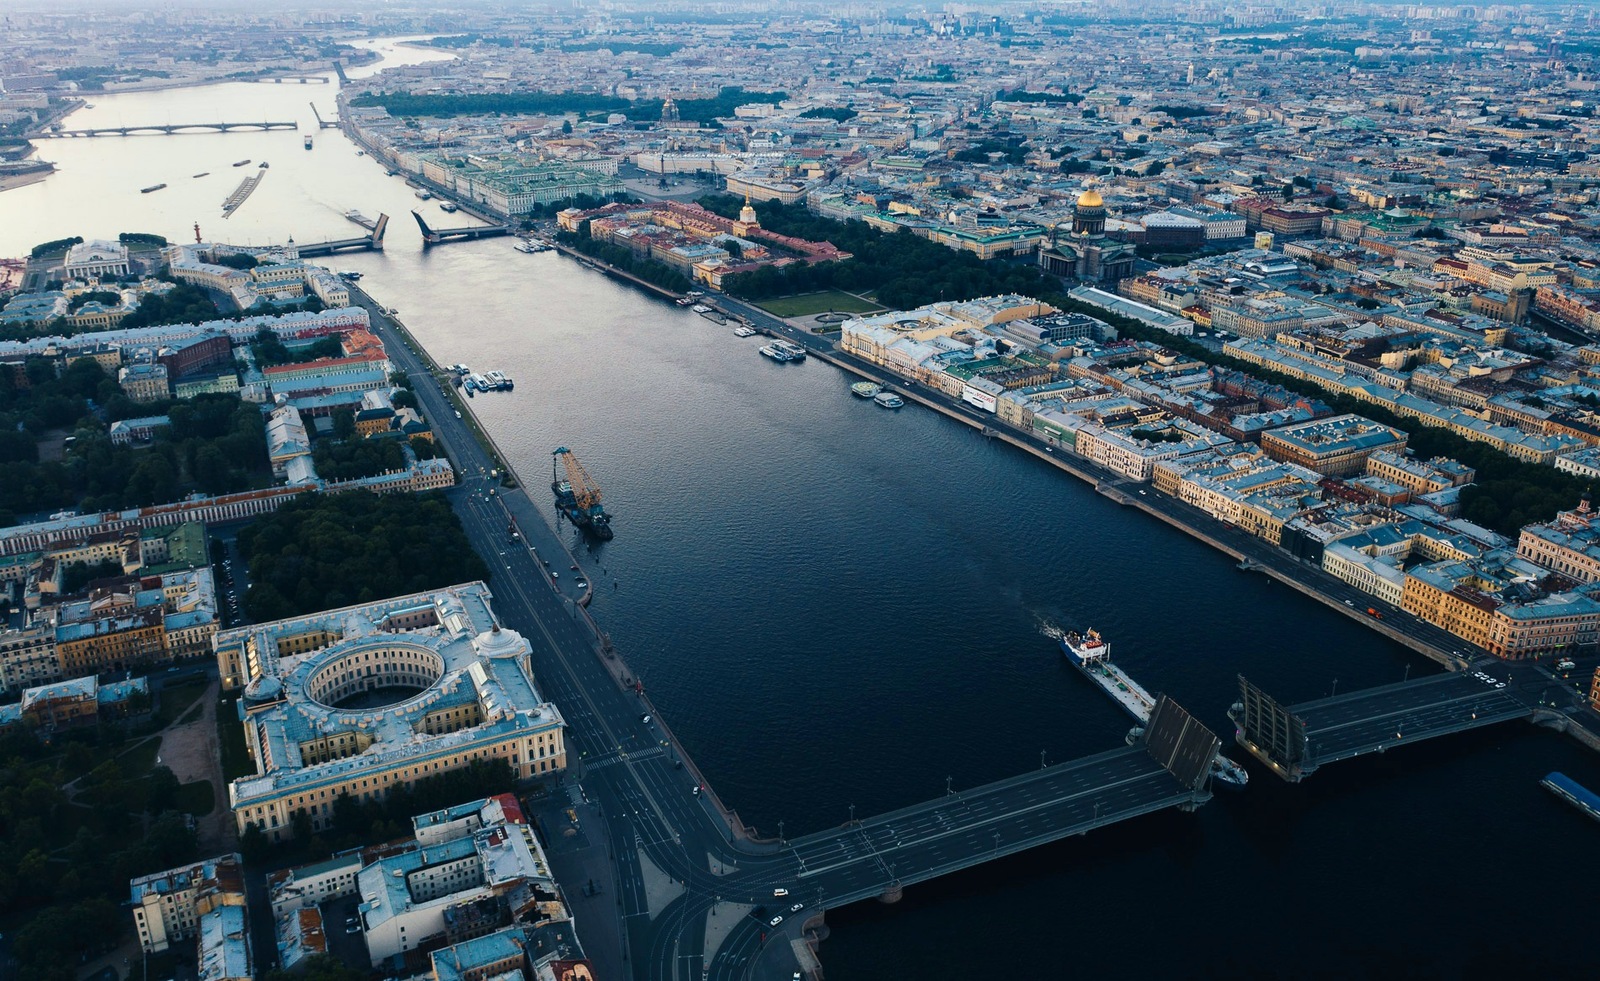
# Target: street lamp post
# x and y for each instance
(947, 790)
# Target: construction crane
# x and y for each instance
(577, 495)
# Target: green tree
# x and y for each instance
(161, 790)
(344, 422)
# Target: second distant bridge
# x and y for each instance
(167, 129)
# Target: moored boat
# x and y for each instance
(793, 350)
(865, 390)
(744, 331)
(888, 400)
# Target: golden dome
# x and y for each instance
(1090, 198)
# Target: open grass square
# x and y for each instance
(810, 304)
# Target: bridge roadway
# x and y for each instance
(371, 242)
(167, 129)
(664, 836)
(1343, 726)
(1375, 720)
(435, 236)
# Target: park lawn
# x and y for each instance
(177, 699)
(810, 304)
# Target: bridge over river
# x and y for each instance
(166, 129)
(1295, 740)
(777, 886)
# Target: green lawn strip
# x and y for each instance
(230, 736)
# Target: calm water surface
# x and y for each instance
(837, 605)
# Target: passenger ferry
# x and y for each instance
(793, 350)
(743, 331)
(889, 400)
(777, 354)
(308, 143)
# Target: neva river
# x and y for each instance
(838, 605)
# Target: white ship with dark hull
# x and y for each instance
(1091, 654)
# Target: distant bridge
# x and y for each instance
(297, 79)
(1296, 740)
(323, 123)
(434, 236)
(366, 243)
(167, 129)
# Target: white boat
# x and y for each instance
(772, 351)
(1091, 654)
(523, 247)
(744, 331)
(700, 308)
(793, 350)
(889, 400)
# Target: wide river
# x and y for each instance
(838, 605)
